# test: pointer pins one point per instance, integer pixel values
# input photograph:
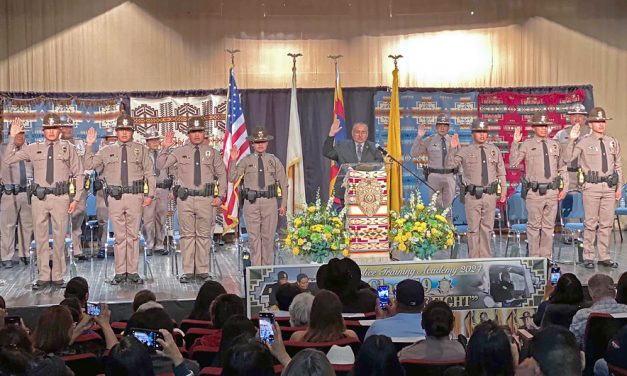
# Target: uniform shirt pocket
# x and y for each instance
(111, 159)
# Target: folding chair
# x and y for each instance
(572, 216)
(620, 211)
(516, 218)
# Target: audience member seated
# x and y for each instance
(223, 307)
(142, 297)
(56, 339)
(437, 321)
(601, 289)
(565, 300)
(489, 352)
(235, 329)
(78, 288)
(621, 289)
(17, 356)
(554, 351)
(343, 277)
(285, 294)
(130, 358)
(401, 318)
(309, 362)
(157, 319)
(300, 309)
(249, 358)
(209, 291)
(326, 323)
(377, 357)
(74, 305)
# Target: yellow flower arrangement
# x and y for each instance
(318, 231)
(419, 229)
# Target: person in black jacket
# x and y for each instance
(564, 302)
(356, 150)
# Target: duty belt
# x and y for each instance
(61, 188)
(429, 170)
(116, 191)
(13, 189)
(183, 193)
(252, 195)
(478, 191)
(594, 178)
(165, 184)
(572, 169)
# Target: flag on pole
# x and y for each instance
(395, 174)
(295, 168)
(338, 112)
(236, 135)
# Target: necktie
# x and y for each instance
(603, 156)
(547, 163)
(124, 167)
(197, 166)
(261, 176)
(359, 146)
(154, 161)
(50, 165)
(22, 173)
(443, 151)
(484, 167)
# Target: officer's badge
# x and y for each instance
(136, 152)
(493, 153)
(64, 149)
(613, 144)
(554, 148)
(208, 154)
(125, 122)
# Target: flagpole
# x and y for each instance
(291, 169)
(335, 59)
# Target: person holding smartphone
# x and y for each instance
(402, 316)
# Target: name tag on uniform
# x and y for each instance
(250, 165)
(111, 155)
(532, 149)
(39, 152)
(184, 157)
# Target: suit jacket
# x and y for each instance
(345, 151)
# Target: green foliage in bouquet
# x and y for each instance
(318, 231)
(419, 229)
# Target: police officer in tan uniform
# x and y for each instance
(127, 169)
(57, 171)
(15, 210)
(78, 217)
(437, 147)
(155, 213)
(601, 177)
(102, 211)
(200, 189)
(483, 179)
(264, 183)
(577, 115)
(543, 184)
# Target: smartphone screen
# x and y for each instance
(384, 295)
(556, 273)
(93, 309)
(266, 332)
(148, 338)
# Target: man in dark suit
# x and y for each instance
(357, 150)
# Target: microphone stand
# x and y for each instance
(386, 154)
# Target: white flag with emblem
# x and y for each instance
(295, 168)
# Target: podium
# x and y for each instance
(367, 219)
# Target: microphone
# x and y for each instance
(381, 149)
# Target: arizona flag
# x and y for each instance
(395, 174)
(338, 113)
(295, 167)
(236, 135)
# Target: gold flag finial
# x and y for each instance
(232, 52)
(395, 58)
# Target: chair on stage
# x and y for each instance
(620, 211)
(572, 216)
(429, 367)
(517, 219)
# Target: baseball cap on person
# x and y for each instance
(410, 293)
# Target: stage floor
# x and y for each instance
(15, 282)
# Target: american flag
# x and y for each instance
(235, 135)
